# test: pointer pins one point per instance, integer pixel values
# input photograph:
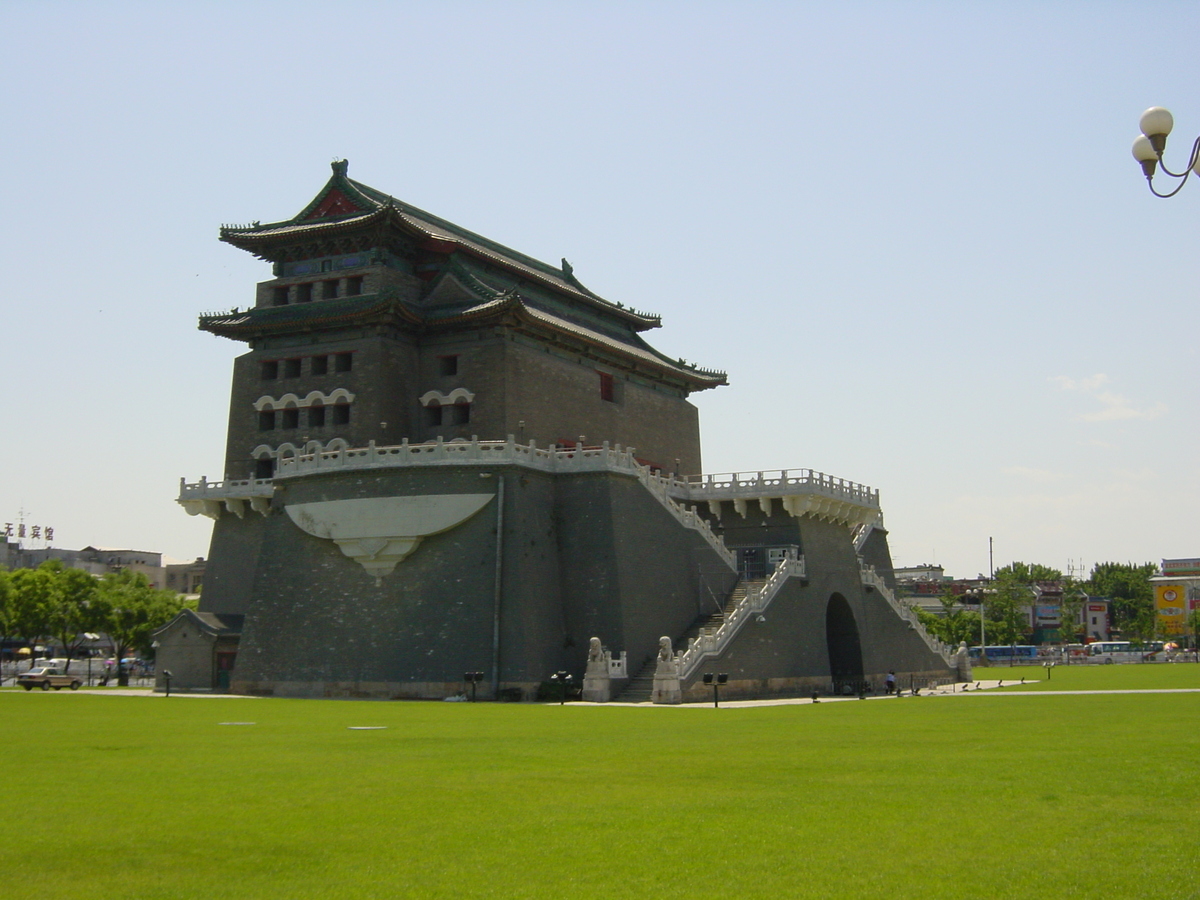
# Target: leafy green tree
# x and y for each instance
(34, 595)
(1193, 622)
(1131, 596)
(956, 625)
(1028, 573)
(7, 609)
(130, 610)
(71, 614)
(1004, 604)
(51, 601)
(6, 605)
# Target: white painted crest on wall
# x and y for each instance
(380, 532)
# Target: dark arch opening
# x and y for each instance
(841, 637)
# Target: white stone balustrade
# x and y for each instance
(209, 498)
(799, 491)
(872, 579)
(779, 482)
(460, 453)
(713, 643)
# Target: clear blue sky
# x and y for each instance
(912, 233)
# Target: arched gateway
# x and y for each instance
(841, 638)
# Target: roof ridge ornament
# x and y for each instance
(339, 166)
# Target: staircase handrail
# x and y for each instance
(659, 488)
(872, 579)
(757, 599)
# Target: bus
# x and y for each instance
(1122, 651)
(1006, 652)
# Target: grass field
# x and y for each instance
(1049, 796)
(1120, 676)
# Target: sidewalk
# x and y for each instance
(799, 701)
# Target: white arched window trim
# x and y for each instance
(338, 394)
(458, 395)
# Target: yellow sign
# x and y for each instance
(1171, 607)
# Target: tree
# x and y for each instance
(7, 610)
(71, 614)
(1193, 621)
(957, 624)
(1131, 597)
(52, 601)
(1028, 573)
(130, 610)
(1003, 604)
(33, 599)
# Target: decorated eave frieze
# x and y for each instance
(511, 309)
(245, 324)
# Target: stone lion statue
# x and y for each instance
(664, 649)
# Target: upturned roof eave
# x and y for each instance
(375, 206)
(512, 309)
(257, 321)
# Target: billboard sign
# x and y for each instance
(1170, 608)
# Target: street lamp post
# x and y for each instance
(91, 638)
(564, 680)
(1156, 123)
(473, 679)
(716, 681)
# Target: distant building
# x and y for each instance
(185, 578)
(924, 573)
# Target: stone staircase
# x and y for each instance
(641, 685)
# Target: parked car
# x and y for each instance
(47, 678)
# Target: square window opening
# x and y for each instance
(354, 286)
(328, 290)
(460, 414)
(291, 368)
(341, 414)
(281, 295)
(320, 365)
(316, 416)
(343, 362)
(608, 391)
(447, 365)
(433, 415)
(291, 417)
(266, 420)
(270, 370)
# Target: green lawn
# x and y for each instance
(1119, 676)
(1055, 796)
